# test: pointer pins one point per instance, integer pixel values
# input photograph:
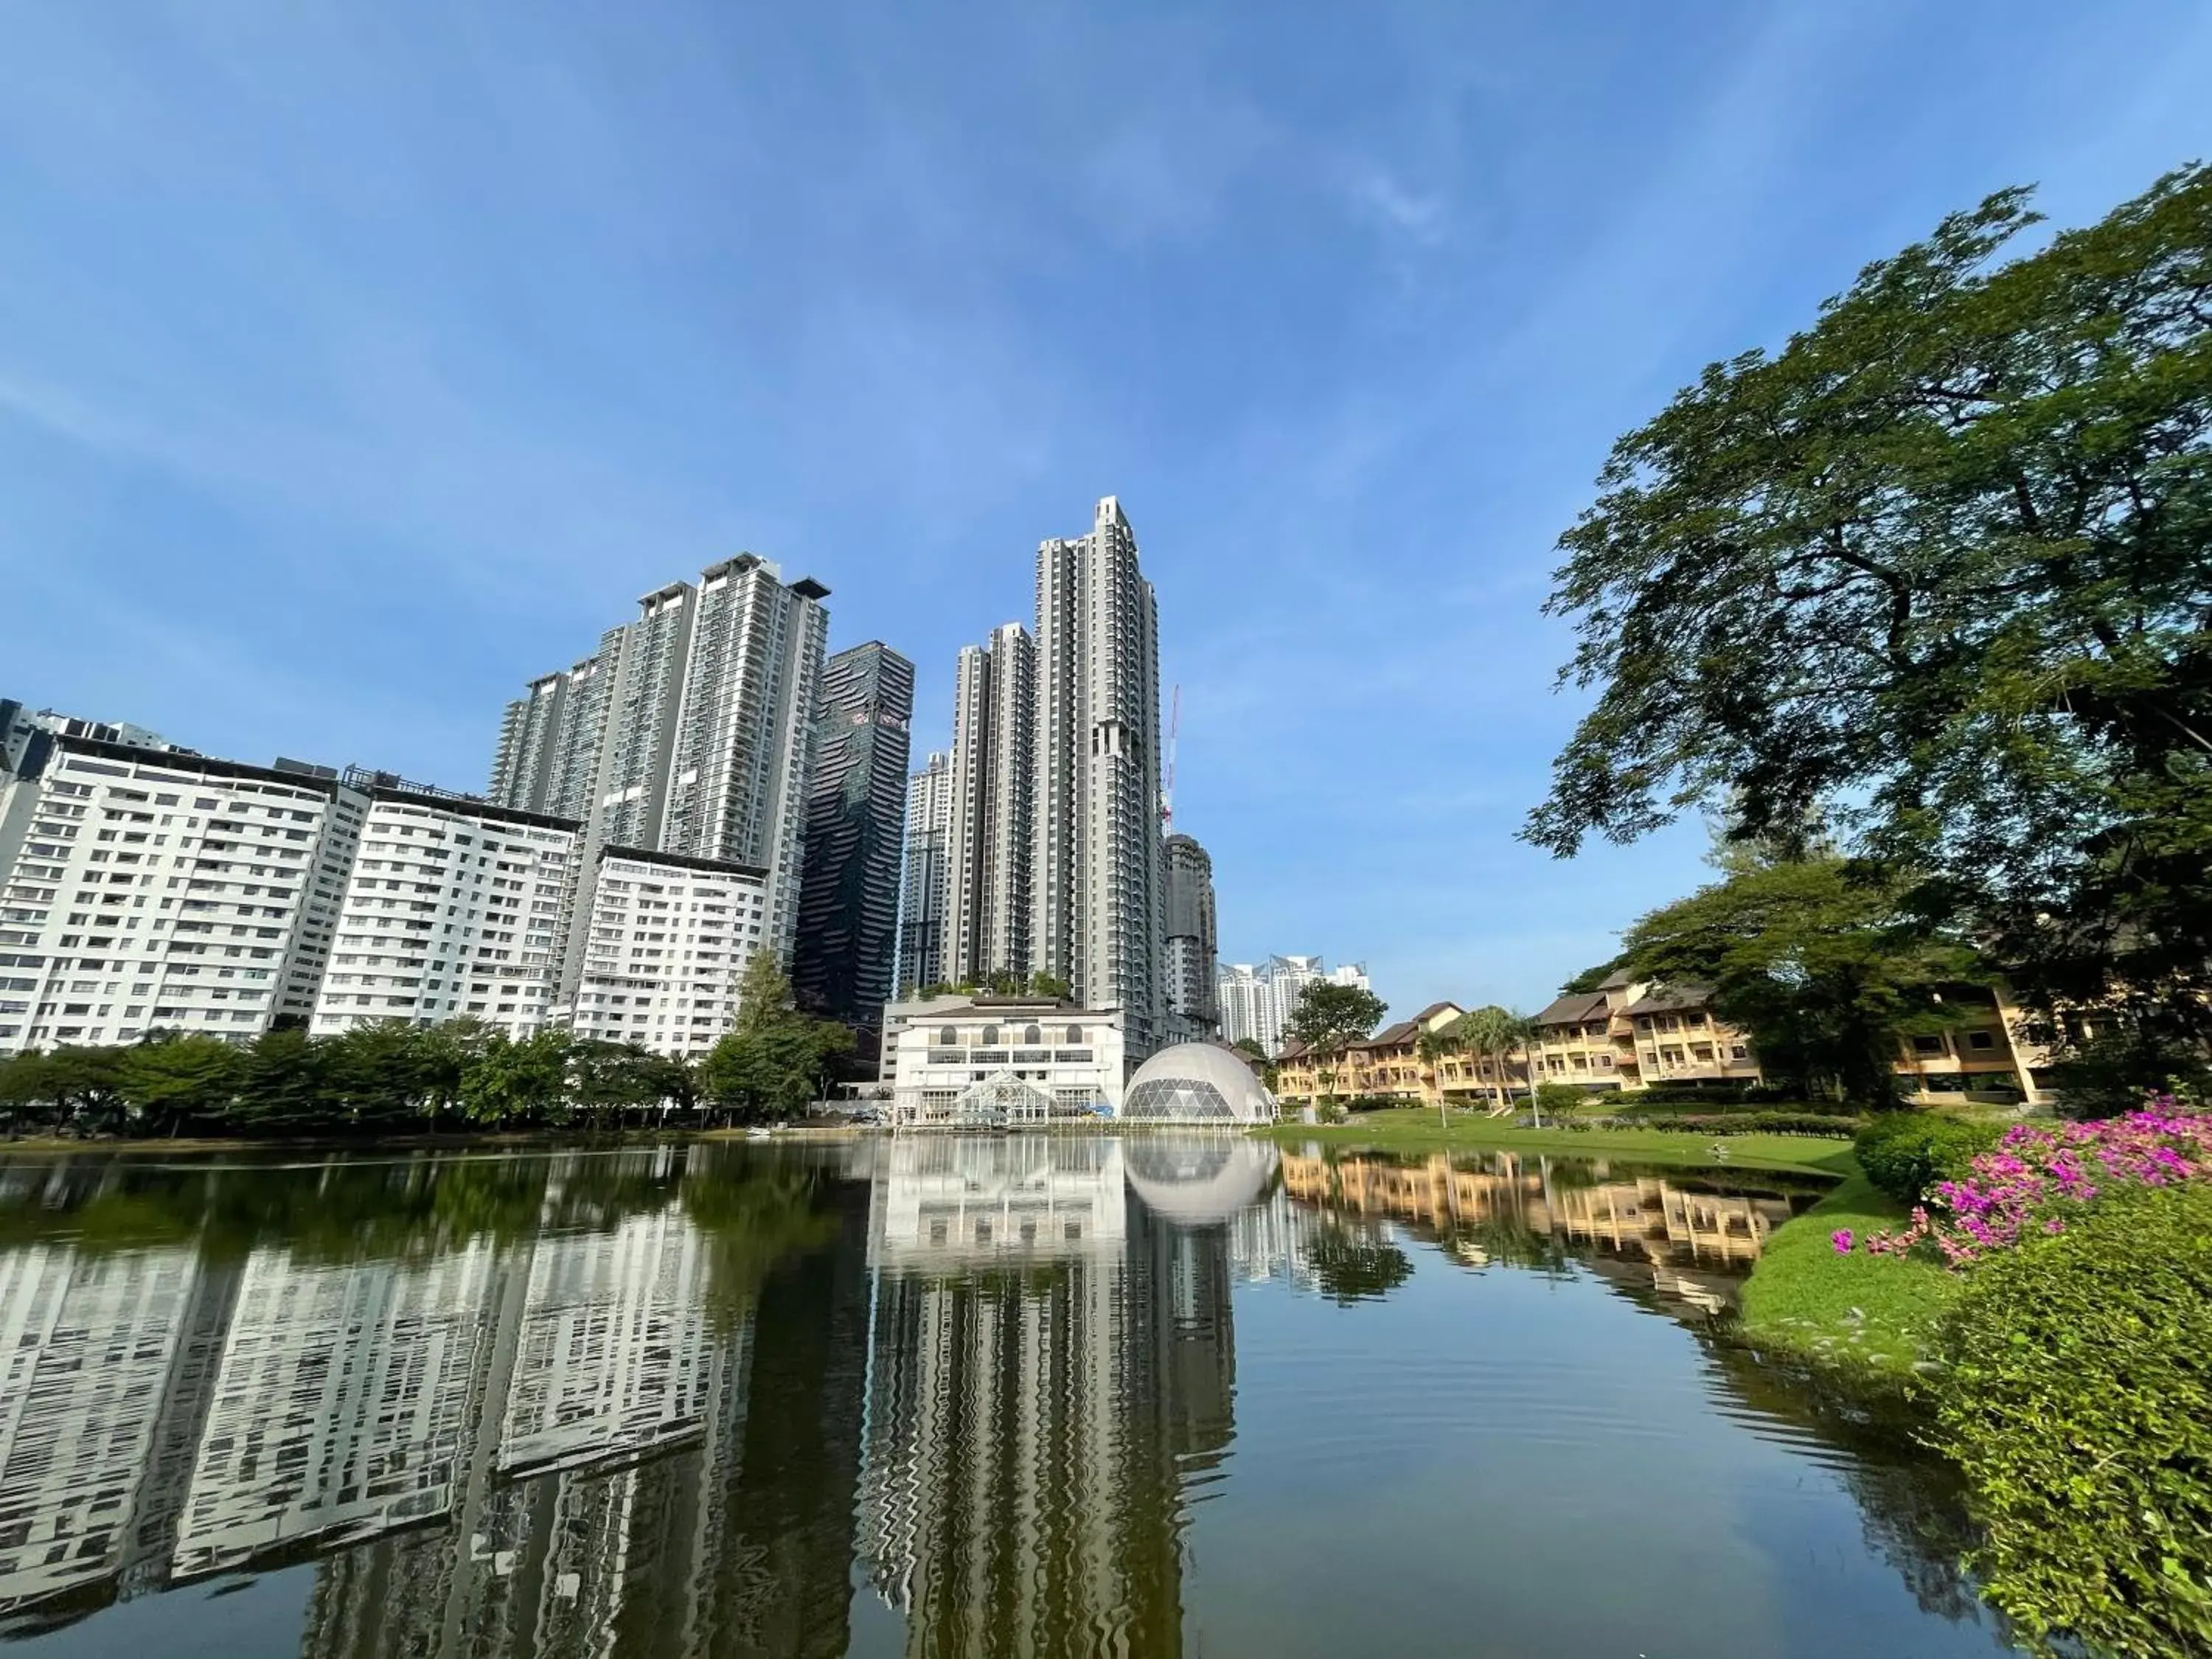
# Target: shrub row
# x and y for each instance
(1906, 1153)
(1717, 1124)
(2078, 1401)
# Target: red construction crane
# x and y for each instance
(1167, 783)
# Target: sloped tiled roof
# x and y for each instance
(1574, 1008)
(1672, 999)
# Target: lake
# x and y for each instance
(1033, 1395)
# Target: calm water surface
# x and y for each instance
(1032, 1396)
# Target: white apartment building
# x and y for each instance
(659, 946)
(454, 907)
(990, 1060)
(987, 927)
(690, 731)
(1096, 912)
(1255, 1002)
(145, 890)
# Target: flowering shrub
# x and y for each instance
(2038, 1178)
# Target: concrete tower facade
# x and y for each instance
(690, 731)
(1096, 910)
(988, 923)
(924, 895)
(1189, 945)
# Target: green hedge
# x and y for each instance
(2079, 1403)
(1725, 1123)
(1906, 1153)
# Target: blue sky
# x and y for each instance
(359, 360)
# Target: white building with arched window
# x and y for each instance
(1001, 1062)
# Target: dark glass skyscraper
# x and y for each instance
(848, 898)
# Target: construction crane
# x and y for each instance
(1167, 784)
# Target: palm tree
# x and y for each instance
(1492, 1033)
(1432, 1045)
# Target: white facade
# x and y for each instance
(662, 943)
(987, 928)
(144, 889)
(1256, 1003)
(690, 731)
(1000, 1059)
(452, 907)
(1095, 914)
(925, 890)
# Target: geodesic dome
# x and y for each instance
(1197, 1083)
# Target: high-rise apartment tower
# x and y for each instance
(841, 964)
(923, 896)
(1189, 947)
(1095, 917)
(994, 742)
(690, 731)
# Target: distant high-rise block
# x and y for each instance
(925, 893)
(1189, 943)
(843, 964)
(993, 735)
(1256, 1003)
(1095, 917)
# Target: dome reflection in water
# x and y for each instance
(932, 1394)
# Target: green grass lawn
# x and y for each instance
(1418, 1130)
(1856, 1311)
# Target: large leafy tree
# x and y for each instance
(1938, 574)
(1815, 960)
(775, 1059)
(1328, 1019)
(181, 1082)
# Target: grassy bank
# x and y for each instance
(1415, 1130)
(1856, 1312)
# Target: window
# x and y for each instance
(1928, 1045)
(1981, 1040)
(1075, 1034)
(990, 1036)
(1033, 1036)
(947, 1037)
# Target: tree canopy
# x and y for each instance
(1816, 961)
(1935, 575)
(1328, 1019)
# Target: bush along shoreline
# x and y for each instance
(2057, 1283)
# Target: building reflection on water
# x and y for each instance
(1692, 1242)
(1051, 1373)
(690, 1401)
(983, 1376)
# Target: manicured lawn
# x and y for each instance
(1857, 1311)
(1415, 1130)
